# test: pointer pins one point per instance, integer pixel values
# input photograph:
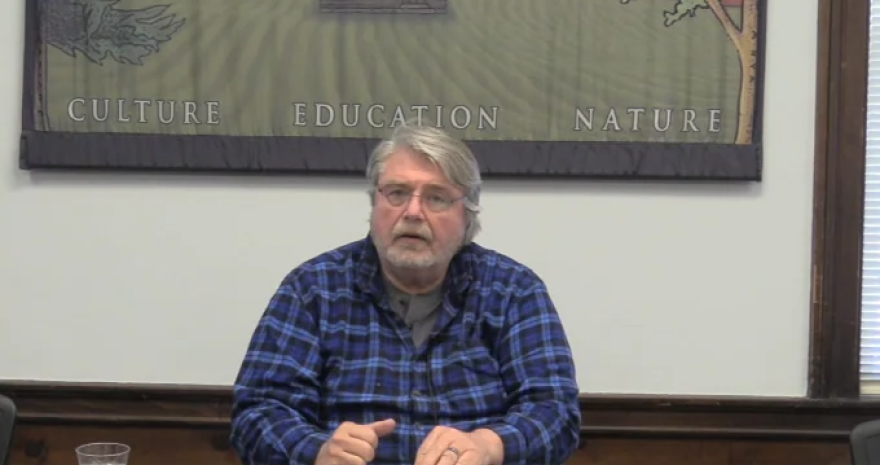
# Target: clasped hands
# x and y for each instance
(355, 444)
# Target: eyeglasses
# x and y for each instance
(435, 200)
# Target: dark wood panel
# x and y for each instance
(709, 452)
(841, 94)
(188, 425)
(54, 445)
(119, 404)
(723, 417)
(609, 416)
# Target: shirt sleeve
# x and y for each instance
(543, 422)
(275, 397)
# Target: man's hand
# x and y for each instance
(354, 444)
(449, 446)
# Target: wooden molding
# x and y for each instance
(604, 416)
(722, 417)
(838, 198)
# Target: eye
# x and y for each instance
(439, 200)
(397, 193)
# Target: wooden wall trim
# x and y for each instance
(604, 416)
(841, 102)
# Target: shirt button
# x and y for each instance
(417, 393)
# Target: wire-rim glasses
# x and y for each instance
(434, 199)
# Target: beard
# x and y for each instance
(412, 246)
(411, 253)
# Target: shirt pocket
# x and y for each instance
(469, 383)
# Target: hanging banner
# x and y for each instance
(641, 89)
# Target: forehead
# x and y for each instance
(405, 165)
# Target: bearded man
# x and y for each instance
(414, 345)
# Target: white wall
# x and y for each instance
(680, 289)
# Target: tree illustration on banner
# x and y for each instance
(744, 38)
(98, 29)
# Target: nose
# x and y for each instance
(413, 208)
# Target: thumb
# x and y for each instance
(384, 427)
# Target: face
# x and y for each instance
(411, 235)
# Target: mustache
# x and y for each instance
(423, 233)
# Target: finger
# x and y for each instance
(468, 457)
(345, 458)
(432, 438)
(365, 434)
(425, 448)
(384, 427)
(358, 447)
(438, 440)
(447, 457)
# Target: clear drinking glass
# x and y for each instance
(103, 453)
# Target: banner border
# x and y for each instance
(344, 156)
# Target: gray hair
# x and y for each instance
(446, 152)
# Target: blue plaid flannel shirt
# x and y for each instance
(329, 349)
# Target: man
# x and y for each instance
(414, 346)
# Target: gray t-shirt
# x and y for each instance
(419, 311)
